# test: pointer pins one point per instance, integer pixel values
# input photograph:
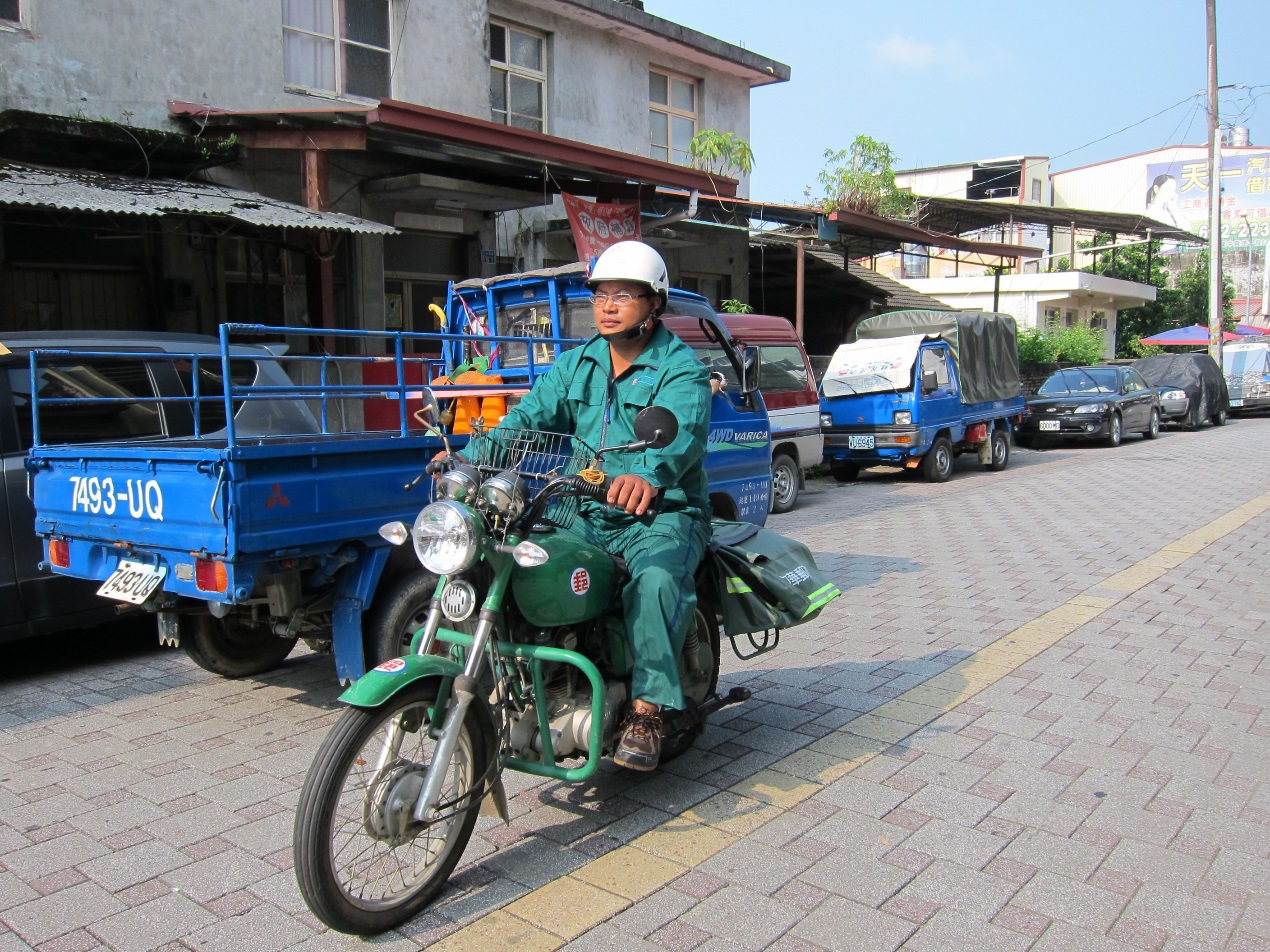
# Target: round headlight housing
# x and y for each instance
(445, 537)
(504, 494)
(459, 483)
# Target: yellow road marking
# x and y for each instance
(552, 915)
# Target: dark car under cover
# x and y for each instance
(1198, 375)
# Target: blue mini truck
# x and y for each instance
(918, 388)
(243, 543)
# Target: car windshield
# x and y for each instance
(1065, 382)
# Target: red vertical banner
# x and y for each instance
(596, 225)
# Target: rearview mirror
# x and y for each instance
(656, 426)
(930, 382)
(750, 366)
(429, 414)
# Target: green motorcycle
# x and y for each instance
(523, 663)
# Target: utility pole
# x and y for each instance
(1215, 312)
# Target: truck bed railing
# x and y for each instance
(322, 388)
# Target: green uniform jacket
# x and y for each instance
(577, 395)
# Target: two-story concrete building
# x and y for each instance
(386, 146)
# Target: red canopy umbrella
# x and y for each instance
(1194, 336)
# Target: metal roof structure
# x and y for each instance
(30, 186)
(435, 142)
(961, 215)
(861, 234)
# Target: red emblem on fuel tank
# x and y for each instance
(580, 581)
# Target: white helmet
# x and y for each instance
(632, 261)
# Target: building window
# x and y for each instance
(672, 116)
(10, 11)
(716, 287)
(517, 77)
(1036, 190)
(340, 47)
(914, 262)
(1098, 319)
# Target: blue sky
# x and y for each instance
(946, 81)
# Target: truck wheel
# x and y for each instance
(231, 648)
(937, 464)
(844, 472)
(1219, 418)
(399, 610)
(1000, 451)
(784, 483)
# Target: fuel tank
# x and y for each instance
(574, 585)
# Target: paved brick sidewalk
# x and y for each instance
(1034, 721)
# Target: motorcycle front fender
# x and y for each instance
(378, 686)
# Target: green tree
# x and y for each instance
(721, 152)
(1179, 303)
(861, 178)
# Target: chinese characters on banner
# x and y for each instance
(1177, 194)
(597, 225)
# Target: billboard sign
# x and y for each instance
(1177, 194)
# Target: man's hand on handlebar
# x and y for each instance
(631, 493)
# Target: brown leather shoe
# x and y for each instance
(640, 745)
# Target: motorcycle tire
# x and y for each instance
(361, 868)
(399, 610)
(696, 692)
(231, 649)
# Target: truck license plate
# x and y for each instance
(859, 442)
(1048, 425)
(132, 581)
(1236, 403)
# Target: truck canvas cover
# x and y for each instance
(984, 347)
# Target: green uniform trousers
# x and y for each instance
(660, 600)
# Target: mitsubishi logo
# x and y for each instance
(278, 498)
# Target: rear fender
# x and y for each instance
(380, 684)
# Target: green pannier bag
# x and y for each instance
(763, 581)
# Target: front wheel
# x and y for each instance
(1114, 433)
(937, 465)
(363, 864)
(1153, 427)
(1219, 418)
(230, 647)
(1000, 451)
(784, 483)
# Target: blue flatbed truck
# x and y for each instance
(241, 545)
(916, 389)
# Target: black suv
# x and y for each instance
(37, 602)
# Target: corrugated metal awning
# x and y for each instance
(32, 186)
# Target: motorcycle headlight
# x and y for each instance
(445, 537)
(1092, 408)
(505, 494)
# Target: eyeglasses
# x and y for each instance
(621, 298)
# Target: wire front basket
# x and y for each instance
(537, 457)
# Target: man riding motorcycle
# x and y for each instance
(594, 392)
